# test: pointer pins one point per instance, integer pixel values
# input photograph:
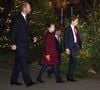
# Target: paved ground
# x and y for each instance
(82, 84)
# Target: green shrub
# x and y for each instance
(88, 57)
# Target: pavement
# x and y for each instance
(50, 84)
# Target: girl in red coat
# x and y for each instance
(49, 57)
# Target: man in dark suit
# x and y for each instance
(20, 34)
(72, 43)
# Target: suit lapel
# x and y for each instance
(71, 32)
(22, 18)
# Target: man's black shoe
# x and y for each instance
(39, 80)
(60, 81)
(16, 83)
(31, 84)
(71, 80)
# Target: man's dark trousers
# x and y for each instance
(72, 63)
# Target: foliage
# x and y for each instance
(42, 13)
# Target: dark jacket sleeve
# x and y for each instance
(31, 34)
(66, 38)
(62, 46)
(14, 28)
(80, 42)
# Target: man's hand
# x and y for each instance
(48, 57)
(35, 39)
(13, 47)
(68, 51)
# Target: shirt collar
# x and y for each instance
(72, 26)
(23, 15)
(56, 36)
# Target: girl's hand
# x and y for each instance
(48, 57)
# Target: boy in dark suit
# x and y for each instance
(72, 43)
(58, 41)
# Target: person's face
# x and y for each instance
(75, 22)
(52, 28)
(27, 9)
(59, 33)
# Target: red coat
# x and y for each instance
(49, 49)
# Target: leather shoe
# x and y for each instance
(71, 80)
(39, 80)
(16, 83)
(60, 81)
(31, 84)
